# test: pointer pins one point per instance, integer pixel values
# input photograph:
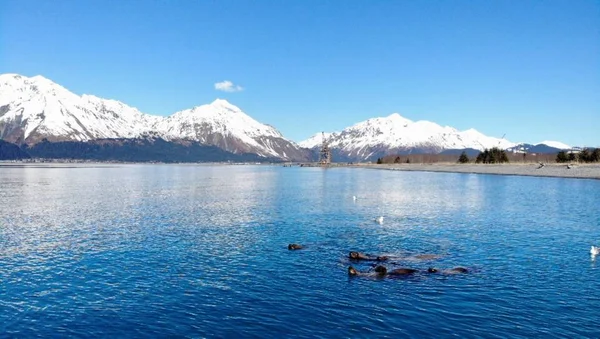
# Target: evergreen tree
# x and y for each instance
(584, 155)
(397, 160)
(503, 156)
(492, 156)
(562, 157)
(481, 157)
(596, 155)
(9, 151)
(379, 161)
(463, 159)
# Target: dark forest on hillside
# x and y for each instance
(127, 150)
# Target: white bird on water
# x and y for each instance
(379, 220)
(354, 197)
(594, 251)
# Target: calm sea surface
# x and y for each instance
(201, 251)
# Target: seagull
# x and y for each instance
(354, 197)
(379, 220)
(594, 251)
(569, 166)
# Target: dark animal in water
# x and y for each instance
(455, 270)
(363, 256)
(381, 271)
(295, 247)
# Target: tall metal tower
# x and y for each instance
(325, 153)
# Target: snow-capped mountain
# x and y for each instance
(35, 108)
(224, 125)
(395, 134)
(542, 147)
(554, 144)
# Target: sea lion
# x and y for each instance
(378, 272)
(363, 256)
(398, 271)
(292, 247)
(402, 271)
(381, 271)
(455, 270)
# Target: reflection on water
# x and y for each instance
(161, 250)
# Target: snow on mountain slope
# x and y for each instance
(555, 144)
(387, 135)
(35, 108)
(134, 120)
(317, 139)
(222, 116)
(477, 140)
(228, 127)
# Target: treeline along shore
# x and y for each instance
(584, 164)
(495, 155)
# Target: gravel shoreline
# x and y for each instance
(577, 171)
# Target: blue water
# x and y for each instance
(201, 251)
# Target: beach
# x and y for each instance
(579, 171)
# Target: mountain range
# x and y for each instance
(35, 110)
(394, 134)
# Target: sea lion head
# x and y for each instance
(294, 247)
(432, 270)
(354, 255)
(352, 271)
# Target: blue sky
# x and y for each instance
(527, 69)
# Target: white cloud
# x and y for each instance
(228, 86)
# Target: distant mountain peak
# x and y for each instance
(399, 118)
(218, 107)
(42, 78)
(395, 134)
(221, 102)
(36, 84)
(41, 81)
